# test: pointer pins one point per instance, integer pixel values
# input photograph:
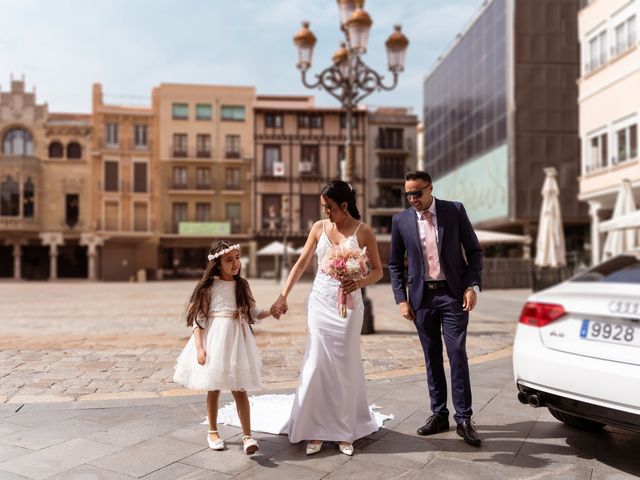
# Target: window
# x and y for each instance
(203, 212)
(627, 143)
(273, 120)
(271, 212)
(140, 217)
(18, 142)
(111, 176)
(203, 145)
(9, 197)
(625, 34)
(309, 211)
(179, 178)
(232, 146)
(111, 216)
(72, 209)
(28, 198)
(140, 177)
(309, 120)
(179, 144)
(232, 179)
(309, 159)
(179, 214)
(111, 135)
(180, 111)
(597, 157)
(272, 164)
(204, 111)
(343, 121)
(56, 150)
(203, 178)
(140, 137)
(390, 138)
(232, 214)
(597, 51)
(74, 150)
(391, 167)
(232, 112)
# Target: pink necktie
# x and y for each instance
(432, 245)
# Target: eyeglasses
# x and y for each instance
(415, 193)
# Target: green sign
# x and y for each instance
(481, 185)
(204, 228)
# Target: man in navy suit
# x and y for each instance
(443, 276)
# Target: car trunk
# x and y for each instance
(602, 321)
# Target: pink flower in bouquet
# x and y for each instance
(341, 264)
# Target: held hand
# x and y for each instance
(280, 307)
(202, 355)
(470, 300)
(350, 285)
(407, 312)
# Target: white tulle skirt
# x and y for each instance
(233, 362)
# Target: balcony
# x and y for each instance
(233, 154)
(178, 151)
(388, 202)
(398, 145)
(19, 223)
(197, 187)
(394, 173)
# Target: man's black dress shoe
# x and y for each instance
(435, 424)
(468, 432)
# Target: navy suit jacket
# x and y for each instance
(455, 236)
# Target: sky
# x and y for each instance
(62, 47)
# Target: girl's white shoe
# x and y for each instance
(313, 448)
(215, 444)
(250, 445)
(347, 449)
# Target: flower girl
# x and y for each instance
(221, 354)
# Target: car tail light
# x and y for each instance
(540, 314)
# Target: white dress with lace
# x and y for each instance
(233, 362)
(331, 400)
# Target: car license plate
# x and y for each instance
(610, 332)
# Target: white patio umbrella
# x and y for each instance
(277, 250)
(620, 240)
(550, 246)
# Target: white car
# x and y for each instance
(577, 347)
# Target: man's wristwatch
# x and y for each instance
(475, 288)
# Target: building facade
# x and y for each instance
(500, 106)
(609, 97)
(205, 156)
(392, 151)
(125, 196)
(45, 188)
(298, 149)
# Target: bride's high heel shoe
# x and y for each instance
(313, 448)
(347, 448)
(215, 444)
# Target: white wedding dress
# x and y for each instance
(331, 401)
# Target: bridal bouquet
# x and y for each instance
(343, 263)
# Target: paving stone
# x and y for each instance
(88, 472)
(360, 469)
(146, 457)
(178, 471)
(48, 435)
(57, 459)
(269, 470)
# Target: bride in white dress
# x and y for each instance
(331, 400)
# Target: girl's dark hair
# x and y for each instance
(341, 192)
(201, 297)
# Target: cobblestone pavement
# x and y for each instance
(67, 341)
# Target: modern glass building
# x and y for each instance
(500, 105)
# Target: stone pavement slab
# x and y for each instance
(519, 442)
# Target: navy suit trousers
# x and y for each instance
(441, 315)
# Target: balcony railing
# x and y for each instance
(235, 153)
(391, 172)
(178, 151)
(19, 223)
(387, 202)
(403, 144)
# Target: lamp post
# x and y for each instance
(349, 79)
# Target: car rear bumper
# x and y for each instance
(576, 384)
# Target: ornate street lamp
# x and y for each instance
(349, 79)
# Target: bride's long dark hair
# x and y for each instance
(201, 297)
(341, 192)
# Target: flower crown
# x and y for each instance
(213, 256)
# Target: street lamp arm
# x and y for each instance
(367, 81)
(329, 80)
